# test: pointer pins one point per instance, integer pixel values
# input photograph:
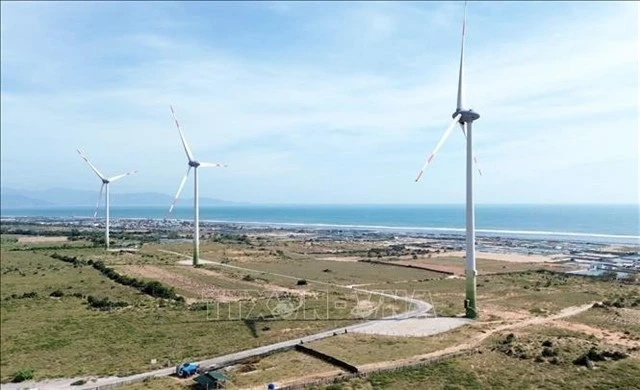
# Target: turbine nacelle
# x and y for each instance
(194, 164)
(466, 116)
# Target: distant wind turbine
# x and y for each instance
(195, 165)
(105, 183)
(465, 117)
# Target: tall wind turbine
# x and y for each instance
(105, 183)
(195, 165)
(464, 117)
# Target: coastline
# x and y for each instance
(426, 231)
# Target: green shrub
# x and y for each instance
(68, 259)
(105, 304)
(22, 375)
(28, 295)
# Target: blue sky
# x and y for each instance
(324, 102)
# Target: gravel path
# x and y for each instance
(415, 327)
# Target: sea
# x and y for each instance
(594, 223)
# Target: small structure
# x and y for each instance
(211, 380)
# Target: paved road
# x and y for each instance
(420, 309)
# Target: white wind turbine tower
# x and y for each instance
(465, 117)
(192, 164)
(105, 183)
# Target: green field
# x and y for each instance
(51, 334)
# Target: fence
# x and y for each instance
(327, 358)
(422, 267)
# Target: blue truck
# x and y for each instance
(186, 370)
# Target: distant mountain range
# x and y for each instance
(14, 198)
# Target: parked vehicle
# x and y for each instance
(186, 370)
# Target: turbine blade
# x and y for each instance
(175, 198)
(112, 179)
(95, 213)
(460, 102)
(91, 165)
(475, 160)
(444, 137)
(184, 141)
(212, 165)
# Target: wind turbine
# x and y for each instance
(195, 165)
(464, 117)
(105, 183)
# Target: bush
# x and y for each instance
(616, 355)
(582, 360)
(57, 294)
(594, 355)
(555, 360)
(68, 259)
(105, 304)
(28, 295)
(302, 282)
(79, 382)
(199, 306)
(153, 288)
(22, 375)
(248, 278)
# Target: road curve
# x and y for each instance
(420, 308)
